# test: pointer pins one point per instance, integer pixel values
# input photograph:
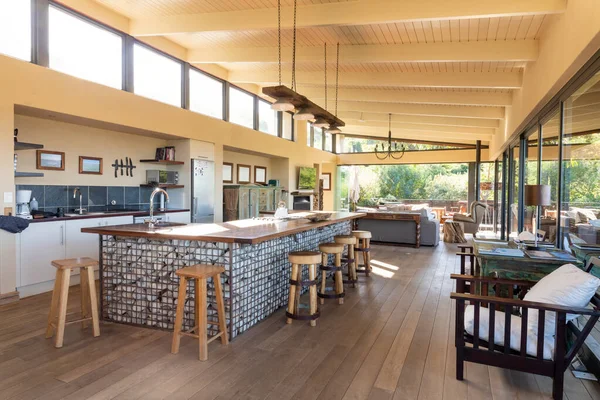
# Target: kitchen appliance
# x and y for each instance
(23, 198)
(164, 177)
(203, 191)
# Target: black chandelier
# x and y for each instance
(394, 151)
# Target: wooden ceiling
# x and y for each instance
(442, 68)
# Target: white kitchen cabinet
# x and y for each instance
(180, 217)
(117, 220)
(41, 243)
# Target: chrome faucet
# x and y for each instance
(151, 221)
(80, 209)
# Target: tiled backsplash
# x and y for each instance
(95, 198)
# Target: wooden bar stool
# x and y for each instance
(57, 318)
(349, 261)
(364, 247)
(298, 259)
(335, 249)
(199, 274)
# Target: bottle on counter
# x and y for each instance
(33, 204)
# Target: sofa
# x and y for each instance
(401, 231)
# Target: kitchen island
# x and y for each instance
(138, 263)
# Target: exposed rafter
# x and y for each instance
(426, 110)
(344, 13)
(490, 80)
(411, 134)
(420, 119)
(513, 50)
(421, 127)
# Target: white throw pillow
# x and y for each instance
(567, 286)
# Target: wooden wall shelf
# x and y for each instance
(28, 174)
(163, 162)
(28, 146)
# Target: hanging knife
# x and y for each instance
(131, 167)
(116, 165)
(127, 166)
(121, 167)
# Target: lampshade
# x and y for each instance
(333, 129)
(320, 123)
(282, 105)
(303, 115)
(537, 195)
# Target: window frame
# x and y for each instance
(278, 116)
(223, 83)
(254, 106)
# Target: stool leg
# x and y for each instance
(368, 256)
(292, 296)
(54, 303)
(62, 308)
(323, 277)
(85, 305)
(197, 305)
(202, 322)
(93, 300)
(312, 275)
(179, 314)
(298, 289)
(221, 309)
(339, 281)
(352, 265)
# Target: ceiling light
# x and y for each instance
(304, 115)
(282, 105)
(321, 123)
(393, 152)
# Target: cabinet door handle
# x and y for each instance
(62, 235)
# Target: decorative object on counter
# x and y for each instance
(50, 160)
(298, 259)
(166, 153)
(90, 165)
(282, 211)
(260, 174)
(318, 217)
(326, 177)
(243, 173)
(33, 205)
(227, 172)
(89, 301)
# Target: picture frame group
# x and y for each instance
(243, 173)
(55, 161)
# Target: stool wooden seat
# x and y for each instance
(298, 259)
(338, 287)
(199, 274)
(57, 318)
(349, 261)
(363, 246)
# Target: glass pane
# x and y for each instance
(549, 175)
(513, 214)
(288, 124)
(309, 135)
(267, 118)
(580, 203)
(318, 139)
(531, 175)
(156, 76)
(328, 142)
(241, 108)
(206, 94)
(486, 193)
(500, 189)
(84, 50)
(15, 29)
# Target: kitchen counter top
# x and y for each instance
(249, 231)
(111, 213)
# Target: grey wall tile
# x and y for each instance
(97, 195)
(116, 193)
(74, 202)
(55, 196)
(132, 195)
(145, 193)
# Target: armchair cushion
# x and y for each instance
(515, 331)
(463, 218)
(567, 286)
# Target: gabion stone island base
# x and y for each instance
(139, 285)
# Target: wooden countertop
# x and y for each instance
(248, 231)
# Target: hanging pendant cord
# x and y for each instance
(279, 36)
(325, 76)
(294, 51)
(337, 76)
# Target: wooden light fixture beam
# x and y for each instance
(301, 102)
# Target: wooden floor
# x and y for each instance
(392, 339)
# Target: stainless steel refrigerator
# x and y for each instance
(203, 191)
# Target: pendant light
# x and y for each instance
(333, 129)
(321, 122)
(392, 152)
(304, 115)
(281, 104)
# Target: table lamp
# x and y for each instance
(537, 195)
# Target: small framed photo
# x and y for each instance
(50, 160)
(227, 172)
(260, 175)
(326, 180)
(243, 173)
(90, 165)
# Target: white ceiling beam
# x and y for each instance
(410, 134)
(419, 119)
(343, 13)
(413, 96)
(494, 113)
(489, 80)
(511, 50)
(420, 128)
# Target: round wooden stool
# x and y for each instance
(364, 247)
(199, 274)
(349, 261)
(57, 318)
(338, 287)
(298, 259)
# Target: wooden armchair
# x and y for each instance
(516, 356)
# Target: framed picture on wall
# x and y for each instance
(326, 180)
(227, 172)
(50, 160)
(260, 174)
(90, 165)
(243, 173)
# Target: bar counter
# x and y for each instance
(138, 263)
